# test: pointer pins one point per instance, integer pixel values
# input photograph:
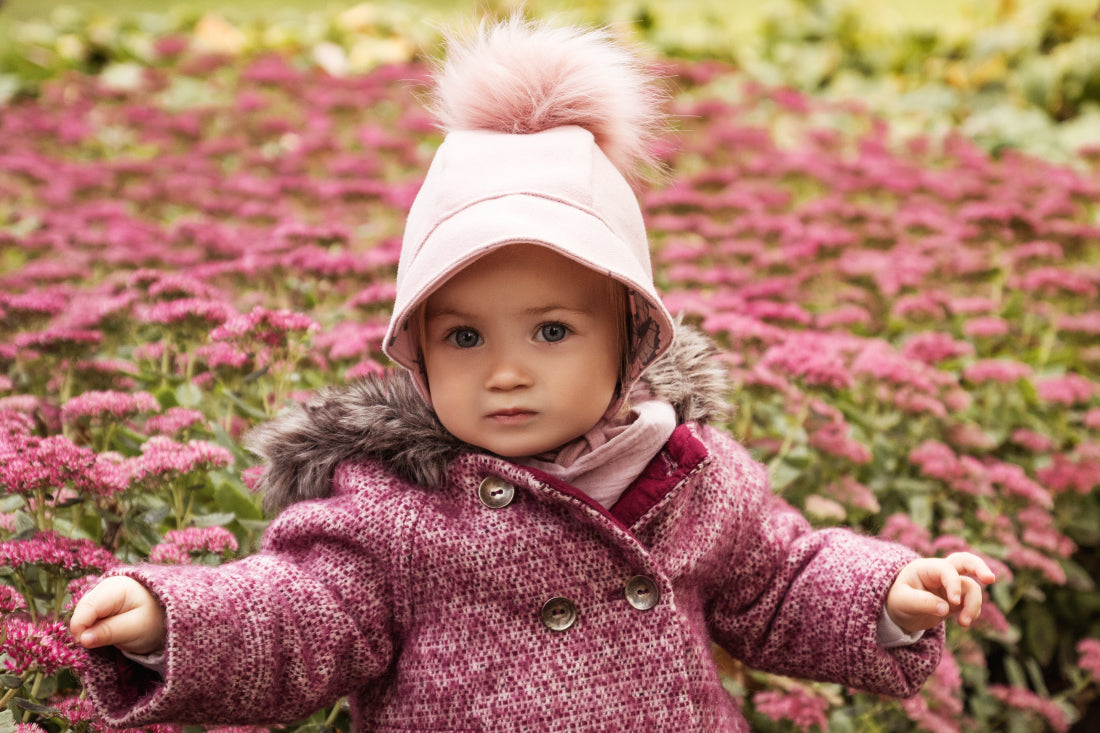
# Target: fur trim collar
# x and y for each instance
(385, 419)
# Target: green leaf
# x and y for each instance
(7, 721)
(166, 397)
(214, 520)
(232, 497)
(34, 707)
(1040, 632)
(11, 681)
(782, 473)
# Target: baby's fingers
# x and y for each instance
(911, 602)
(971, 603)
(103, 600)
(967, 563)
(127, 631)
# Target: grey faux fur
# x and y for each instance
(384, 418)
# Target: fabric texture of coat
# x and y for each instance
(436, 600)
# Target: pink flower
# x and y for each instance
(29, 465)
(164, 460)
(1002, 371)
(10, 600)
(812, 357)
(59, 341)
(365, 368)
(932, 347)
(165, 553)
(1092, 418)
(901, 529)
(1025, 700)
(1027, 558)
(174, 420)
(833, 438)
(879, 361)
(222, 356)
(44, 647)
(1079, 471)
(1015, 482)
(798, 705)
(13, 422)
(846, 316)
(96, 405)
(72, 556)
(1085, 323)
(191, 313)
(851, 493)
(203, 539)
(1032, 441)
(381, 293)
(986, 327)
(78, 587)
(1069, 390)
(968, 306)
(271, 328)
(1089, 657)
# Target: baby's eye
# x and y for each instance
(552, 332)
(464, 338)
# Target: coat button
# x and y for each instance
(642, 593)
(495, 492)
(558, 613)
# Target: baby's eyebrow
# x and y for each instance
(433, 314)
(544, 309)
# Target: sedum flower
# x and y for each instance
(74, 557)
(163, 459)
(798, 705)
(99, 405)
(174, 420)
(44, 647)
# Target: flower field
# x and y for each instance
(192, 235)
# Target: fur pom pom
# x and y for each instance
(520, 77)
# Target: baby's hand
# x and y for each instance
(119, 611)
(929, 590)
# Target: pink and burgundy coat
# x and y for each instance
(444, 589)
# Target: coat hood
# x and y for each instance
(384, 418)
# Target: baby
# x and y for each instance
(533, 524)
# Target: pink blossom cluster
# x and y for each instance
(263, 326)
(940, 706)
(10, 599)
(71, 556)
(1071, 389)
(194, 311)
(174, 421)
(180, 544)
(1088, 651)
(1023, 699)
(163, 459)
(44, 647)
(29, 465)
(99, 405)
(802, 708)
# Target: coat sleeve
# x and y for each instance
(806, 603)
(272, 637)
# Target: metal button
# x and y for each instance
(558, 613)
(642, 592)
(495, 492)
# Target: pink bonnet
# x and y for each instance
(544, 127)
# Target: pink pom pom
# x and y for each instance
(521, 77)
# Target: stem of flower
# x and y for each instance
(34, 688)
(8, 696)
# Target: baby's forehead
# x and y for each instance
(525, 280)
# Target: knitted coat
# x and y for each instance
(436, 600)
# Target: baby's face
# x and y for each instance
(521, 350)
